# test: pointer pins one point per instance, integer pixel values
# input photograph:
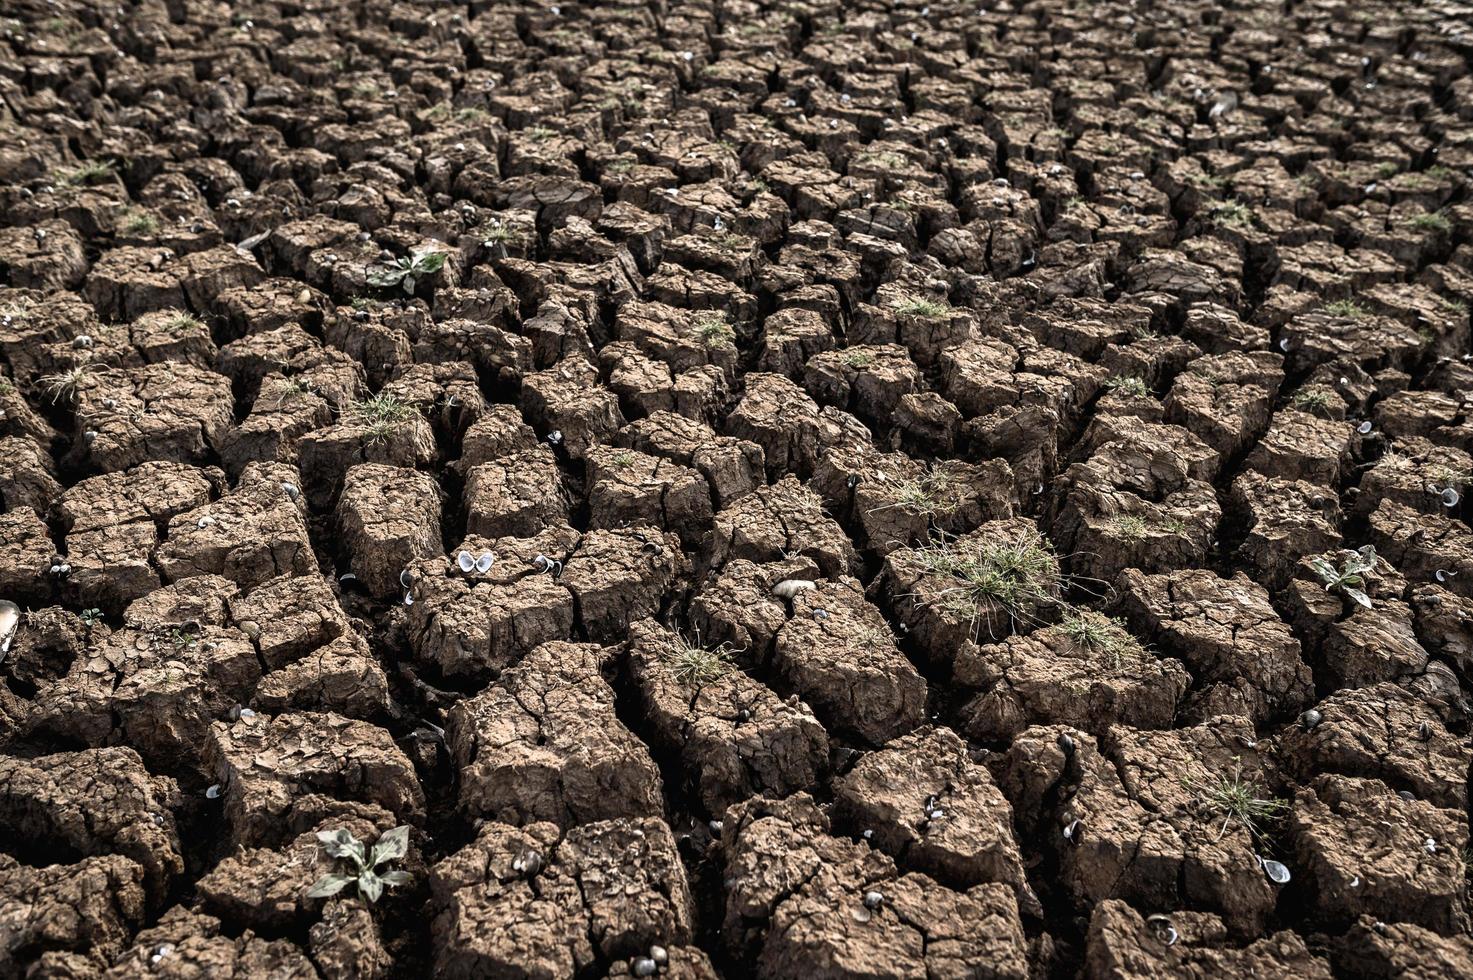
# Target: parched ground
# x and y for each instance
(737, 488)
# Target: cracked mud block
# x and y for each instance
(1362, 849)
(94, 802)
(779, 521)
(168, 412)
(327, 454)
(1226, 399)
(25, 557)
(1088, 672)
(284, 411)
(934, 590)
(923, 801)
(188, 944)
(46, 648)
(734, 736)
(280, 776)
(1244, 660)
(156, 690)
(90, 909)
(795, 906)
(1286, 520)
(1299, 445)
(127, 282)
(342, 676)
(731, 467)
(838, 654)
(1421, 546)
(1150, 829)
(475, 624)
(1444, 623)
(1123, 945)
(288, 617)
(897, 501)
(737, 606)
(791, 338)
(779, 417)
(682, 963)
(347, 942)
(203, 599)
(1429, 414)
(516, 495)
(1366, 646)
(868, 380)
(251, 534)
(1372, 342)
(1400, 951)
(497, 432)
(48, 256)
(567, 400)
(682, 339)
(621, 575)
(27, 475)
(1417, 475)
(1384, 732)
(388, 516)
(544, 744)
(539, 902)
(629, 487)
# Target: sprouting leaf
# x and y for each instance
(329, 885)
(1358, 596)
(370, 885)
(385, 276)
(396, 878)
(341, 843)
(391, 846)
(427, 261)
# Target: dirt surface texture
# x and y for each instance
(789, 489)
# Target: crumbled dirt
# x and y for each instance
(844, 490)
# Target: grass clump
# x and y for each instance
(1129, 385)
(362, 865)
(380, 415)
(136, 221)
(1239, 802)
(1232, 214)
(1347, 308)
(915, 306)
(1314, 399)
(1104, 635)
(1013, 576)
(924, 495)
(88, 172)
(714, 331)
(64, 385)
(1434, 221)
(692, 664)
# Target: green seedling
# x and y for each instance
(714, 331)
(920, 307)
(692, 664)
(1109, 637)
(1347, 308)
(362, 866)
(380, 415)
(1015, 577)
(1238, 802)
(1129, 385)
(408, 271)
(1351, 578)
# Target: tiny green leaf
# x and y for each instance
(392, 846)
(396, 878)
(329, 885)
(370, 885)
(426, 262)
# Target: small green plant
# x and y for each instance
(88, 172)
(1172, 525)
(916, 306)
(1013, 575)
(1351, 578)
(1129, 385)
(500, 233)
(1129, 527)
(1107, 636)
(1314, 399)
(136, 221)
(1347, 308)
(621, 166)
(64, 385)
(91, 618)
(859, 358)
(1452, 305)
(1238, 802)
(1232, 214)
(380, 415)
(1385, 171)
(924, 495)
(364, 303)
(362, 865)
(1434, 221)
(184, 323)
(622, 460)
(406, 272)
(692, 664)
(714, 331)
(539, 134)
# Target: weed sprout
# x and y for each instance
(1238, 802)
(408, 271)
(1091, 631)
(380, 415)
(1014, 576)
(714, 331)
(915, 306)
(692, 664)
(1350, 579)
(362, 865)
(1129, 385)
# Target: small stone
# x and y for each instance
(645, 967)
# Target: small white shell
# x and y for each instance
(466, 561)
(790, 587)
(9, 623)
(484, 563)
